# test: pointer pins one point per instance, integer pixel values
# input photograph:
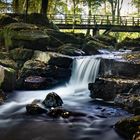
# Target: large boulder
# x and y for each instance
(55, 68)
(129, 127)
(35, 108)
(35, 82)
(106, 39)
(60, 38)
(108, 88)
(96, 43)
(5, 20)
(7, 78)
(25, 35)
(54, 59)
(130, 102)
(130, 44)
(6, 61)
(122, 68)
(20, 55)
(90, 49)
(52, 100)
(71, 49)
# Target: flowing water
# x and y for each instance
(96, 123)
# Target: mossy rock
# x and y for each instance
(25, 36)
(8, 63)
(129, 43)
(71, 49)
(106, 39)
(128, 126)
(8, 78)
(58, 39)
(133, 57)
(21, 54)
(5, 20)
(4, 55)
(97, 45)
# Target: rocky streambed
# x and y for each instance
(36, 56)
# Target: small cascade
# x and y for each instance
(84, 71)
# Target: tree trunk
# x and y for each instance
(16, 6)
(74, 14)
(44, 7)
(89, 17)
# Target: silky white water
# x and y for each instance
(95, 124)
(84, 71)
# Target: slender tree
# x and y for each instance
(44, 7)
(16, 6)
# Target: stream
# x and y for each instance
(96, 123)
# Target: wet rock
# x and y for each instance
(71, 50)
(53, 74)
(35, 83)
(58, 112)
(112, 67)
(129, 102)
(108, 88)
(128, 127)
(64, 113)
(52, 58)
(56, 68)
(90, 49)
(7, 78)
(26, 36)
(35, 108)
(52, 100)
(3, 97)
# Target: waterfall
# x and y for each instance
(84, 71)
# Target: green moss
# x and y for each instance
(129, 126)
(1, 75)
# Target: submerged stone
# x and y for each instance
(52, 100)
(35, 108)
(58, 112)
